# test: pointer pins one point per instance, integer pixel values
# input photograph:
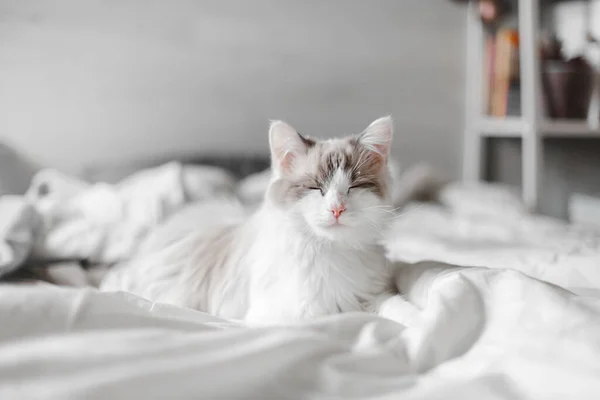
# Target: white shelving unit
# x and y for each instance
(530, 127)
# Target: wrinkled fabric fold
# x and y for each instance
(477, 333)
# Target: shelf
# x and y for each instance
(569, 128)
(501, 127)
(515, 126)
(479, 126)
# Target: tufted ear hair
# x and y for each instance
(286, 145)
(378, 137)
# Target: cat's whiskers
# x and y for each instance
(406, 213)
(383, 209)
(386, 207)
(375, 226)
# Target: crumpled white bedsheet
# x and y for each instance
(465, 333)
(63, 218)
(485, 226)
(477, 334)
(105, 223)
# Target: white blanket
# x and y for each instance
(465, 333)
(480, 334)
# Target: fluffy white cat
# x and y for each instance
(311, 249)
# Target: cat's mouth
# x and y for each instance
(336, 224)
(330, 226)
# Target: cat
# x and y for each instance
(313, 247)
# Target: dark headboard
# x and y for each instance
(239, 166)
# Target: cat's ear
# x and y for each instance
(378, 137)
(286, 145)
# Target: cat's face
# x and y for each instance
(336, 188)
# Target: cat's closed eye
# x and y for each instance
(364, 185)
(313, 188)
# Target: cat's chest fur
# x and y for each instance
(293, 277)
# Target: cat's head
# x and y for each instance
(338, 188)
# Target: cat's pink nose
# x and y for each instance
(337, 211)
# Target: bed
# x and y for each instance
(505, 306)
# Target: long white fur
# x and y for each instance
(278, 265)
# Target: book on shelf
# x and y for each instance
(502, 93)
(488, 72)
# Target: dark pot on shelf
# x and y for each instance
(568, 87)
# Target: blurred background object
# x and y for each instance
(567, 87)
(491, 12)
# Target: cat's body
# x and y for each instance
(312, 248)
(295, 277)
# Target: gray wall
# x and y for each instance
(85, 82)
